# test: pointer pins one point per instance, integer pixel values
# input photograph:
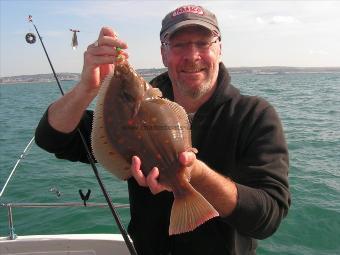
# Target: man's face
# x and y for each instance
(192, 57)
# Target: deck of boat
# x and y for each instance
(68, 244)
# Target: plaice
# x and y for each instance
(130, 119)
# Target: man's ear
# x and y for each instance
(220, 55)
(164, 56)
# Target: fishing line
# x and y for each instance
(22, 156)
(92, 162)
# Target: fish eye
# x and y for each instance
(127, 96)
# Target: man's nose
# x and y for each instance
(191, 50)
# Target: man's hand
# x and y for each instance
(187, 160)
(65, 113)
(99, 59)
(150, 181)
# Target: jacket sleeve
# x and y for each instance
(261, 176)
(65, 145)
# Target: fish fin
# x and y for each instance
(152, 93)
(102, 149)
(180, 112)
(183, 121)
(190, 211)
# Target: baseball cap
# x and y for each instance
(185, 16)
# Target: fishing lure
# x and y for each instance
(74, 42)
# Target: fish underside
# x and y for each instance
(130, 119)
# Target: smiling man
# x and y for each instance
(192, 56)
(241, 166)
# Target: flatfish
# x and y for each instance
(131, 118)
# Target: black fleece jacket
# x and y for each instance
(236, 135)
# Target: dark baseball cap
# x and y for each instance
(185, 16)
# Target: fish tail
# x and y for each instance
(190, 211)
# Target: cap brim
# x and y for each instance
(169, 32)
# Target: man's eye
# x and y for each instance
(179, 45)
(202, 44)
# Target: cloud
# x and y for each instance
(114, 9)
(283, 20)
(274, 20)
(260, 20)
(318, 52)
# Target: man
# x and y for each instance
(242, 163)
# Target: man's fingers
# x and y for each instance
(136, 163)
(152, 180)
(137, 172)
(100, 60)
(110, 41)
(107, 31)
(187, 158)
(102, 50)
(105, 50)
(103, 57)
(108, 36)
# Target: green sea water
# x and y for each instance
(308, 104)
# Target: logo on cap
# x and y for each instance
(187, 9)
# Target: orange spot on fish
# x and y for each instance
(130, 122)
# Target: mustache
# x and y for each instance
(193, 66)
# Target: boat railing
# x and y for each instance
(10, 206)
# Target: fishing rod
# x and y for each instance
(89, 155)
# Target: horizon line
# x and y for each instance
(158, 68)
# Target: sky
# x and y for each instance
(254, 33)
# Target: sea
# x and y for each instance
(308, 104)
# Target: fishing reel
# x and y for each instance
(30, 38)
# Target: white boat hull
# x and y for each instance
(68, 244)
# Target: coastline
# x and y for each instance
(152, 72)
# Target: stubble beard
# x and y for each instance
(194, 93)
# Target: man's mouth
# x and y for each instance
(193, 70)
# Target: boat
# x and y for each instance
(57, 244)
(60, 244)
(83, 244)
